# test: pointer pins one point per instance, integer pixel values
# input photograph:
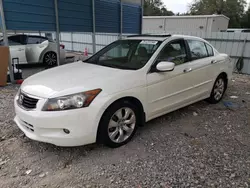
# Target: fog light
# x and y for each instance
(66, 131)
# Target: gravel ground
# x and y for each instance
(201, 145)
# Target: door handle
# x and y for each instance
(187, 70)
(213, 61)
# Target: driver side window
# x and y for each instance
(174, 52)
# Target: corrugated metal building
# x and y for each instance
(204, 23)
(74, 15)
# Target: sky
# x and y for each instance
(179, 5)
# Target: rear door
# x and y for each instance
(34, 48)
(203, 70)
(17, 47)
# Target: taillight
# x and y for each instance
(62, 46)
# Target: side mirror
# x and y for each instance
(165, 66)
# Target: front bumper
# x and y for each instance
(48, 126)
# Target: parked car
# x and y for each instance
(119, 88)
(34, 49)
(242, 30)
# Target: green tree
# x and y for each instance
(156, 8)
(246, 19)
(234, 9)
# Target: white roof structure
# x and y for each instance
(203, 23)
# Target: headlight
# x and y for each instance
(74, 101)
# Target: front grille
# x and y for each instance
(27, 102)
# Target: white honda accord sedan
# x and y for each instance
(129, 82)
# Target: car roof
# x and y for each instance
(160, 37)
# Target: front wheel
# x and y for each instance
(218, 90)
(118, 124)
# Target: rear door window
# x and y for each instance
(42, 39)
(34, 40)
(198, 49)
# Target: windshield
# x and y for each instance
(125, 54)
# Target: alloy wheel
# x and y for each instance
(50, 59)
(122, 125)
(219, 89)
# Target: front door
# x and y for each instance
(168, 91)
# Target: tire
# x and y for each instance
(218, 90)
(50, 59)
(115, 123)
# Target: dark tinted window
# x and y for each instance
(246, 31)
(14, 40)
(174, 52)
(210, 50)
(34, 40)
(17, 40)
(43, 39)
(198, 49)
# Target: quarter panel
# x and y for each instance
(33, 51)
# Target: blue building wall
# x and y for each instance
(132, 18)
(74, 15)
(29, 15)
(107, 16)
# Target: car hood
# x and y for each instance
(79, 77)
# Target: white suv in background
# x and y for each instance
(34, 49)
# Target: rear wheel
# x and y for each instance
(118, 124)
(218, 91)
(50, 59)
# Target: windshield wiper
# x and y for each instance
(117, 67)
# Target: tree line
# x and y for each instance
(234, 9)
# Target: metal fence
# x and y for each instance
(237, 45)
(81, 41)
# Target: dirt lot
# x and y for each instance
(201, 145)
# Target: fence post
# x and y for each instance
(94, 30)
(121, 19)
(72, 43)
(142, 11)
(244, 46)
(5, 38)
(57, 33)
(206, 24)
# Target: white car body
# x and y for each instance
(31, 48)
(158, 92)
